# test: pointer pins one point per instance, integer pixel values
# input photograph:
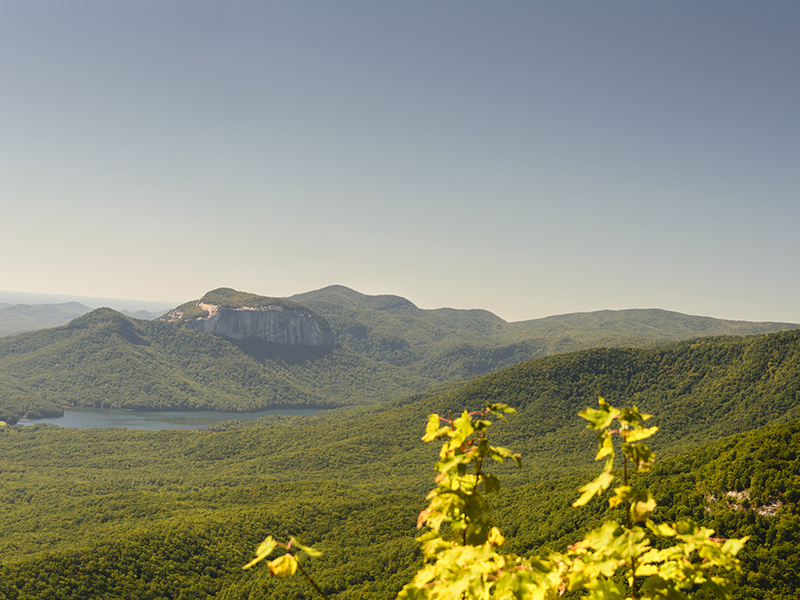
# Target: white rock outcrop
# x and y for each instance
(271, 323)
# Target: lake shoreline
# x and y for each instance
(152, 420)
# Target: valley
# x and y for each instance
(93, 513)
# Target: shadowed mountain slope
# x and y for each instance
(699, 391)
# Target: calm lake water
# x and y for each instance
(99, 418)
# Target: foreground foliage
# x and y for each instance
(466, 561)
(462, 547)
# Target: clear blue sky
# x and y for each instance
(529, 158)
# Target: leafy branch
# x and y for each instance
(613, 562)
(286, 564)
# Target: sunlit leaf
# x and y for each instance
(495, 537)
(433, 429)
(308, 550)
(640, 434)
(599, 418)
(606, 589)
(264, 549)
(641, 510)
(597, 486)
(499, 407)
(606, 446)
(283, 566)
(733, 547)
(621, 494)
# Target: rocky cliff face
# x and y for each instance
(271, 323)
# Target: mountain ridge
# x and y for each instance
(340, 296)
(386, 348)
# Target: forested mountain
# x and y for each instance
(107, 359)
(119, 513)
(371, 349)
(395, 318)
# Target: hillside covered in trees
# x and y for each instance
(385, 348)
(171, 514)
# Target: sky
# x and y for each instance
(528, 158)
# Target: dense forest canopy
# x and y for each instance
(125, 523)
(171, 514)
(88, 513)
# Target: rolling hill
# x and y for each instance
(18, 318)
(252, 353)
(360, 316)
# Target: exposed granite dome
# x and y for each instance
(238, 316)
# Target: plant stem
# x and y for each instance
(628, 522)
(311, 581)
(627, 503)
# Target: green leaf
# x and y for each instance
(597, 486)
(433, 430)
(632, 416)
(606, 589)
(498, 408)
(606, 445)
(283, 566)
(641, 510)
(307, 549)
(637, 434)
(640, 455)
(733, 546)
(264, 549)
(462, 427)
(491, 483)
(621, 494)
(600, 418)
(661, 529)
(499, 454)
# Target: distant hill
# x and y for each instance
(142, 314)
(642, 324)
(471, 342)
(18, 318)
(262, 354)
(350, 312)
(148, 309)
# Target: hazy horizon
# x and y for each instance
(530, 159)
(155, 306)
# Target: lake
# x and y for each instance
(100, 418)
